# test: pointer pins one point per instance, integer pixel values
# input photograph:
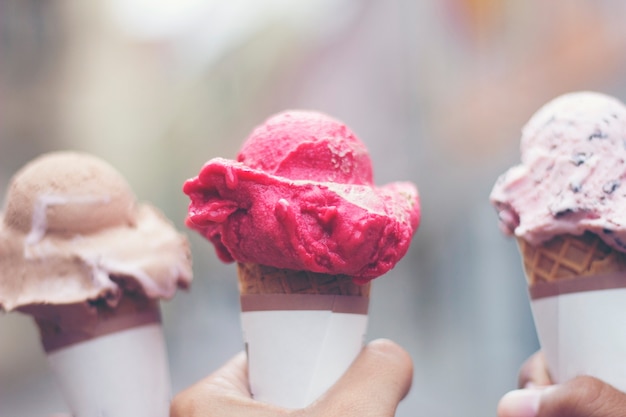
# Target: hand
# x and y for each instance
(582, 396)
(375, 383)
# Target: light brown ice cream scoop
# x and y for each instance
(68, 193)
(73, 233)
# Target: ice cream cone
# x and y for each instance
(565, 204)
(90, 263)
(300, 197)
(577, 286)
(302, 330)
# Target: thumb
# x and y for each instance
(582, 396)
(224, 393)
(375, 383)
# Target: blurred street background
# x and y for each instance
(437, 89)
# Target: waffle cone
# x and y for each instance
(69, 324)
(568, 256)
(262, 279)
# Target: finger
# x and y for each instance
(224, 393)
(520, 403)
(377, 381)
(581, 397)
(534, 372)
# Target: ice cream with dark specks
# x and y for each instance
(572, 176)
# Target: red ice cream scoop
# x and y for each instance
(301, 196)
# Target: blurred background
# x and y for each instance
(437, 89)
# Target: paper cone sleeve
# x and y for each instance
(298, 339)
(576, 285)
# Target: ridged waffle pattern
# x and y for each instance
(569, 256)
(261, 279)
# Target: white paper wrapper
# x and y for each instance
(584, 333)
(295, 356)
(122, 374)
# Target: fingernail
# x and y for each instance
(520, 403)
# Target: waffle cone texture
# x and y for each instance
(262, 279)
(568, 256)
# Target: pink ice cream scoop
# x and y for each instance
(573, 172)
(301, 196)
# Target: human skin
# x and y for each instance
(583, 396)
(373, 386)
